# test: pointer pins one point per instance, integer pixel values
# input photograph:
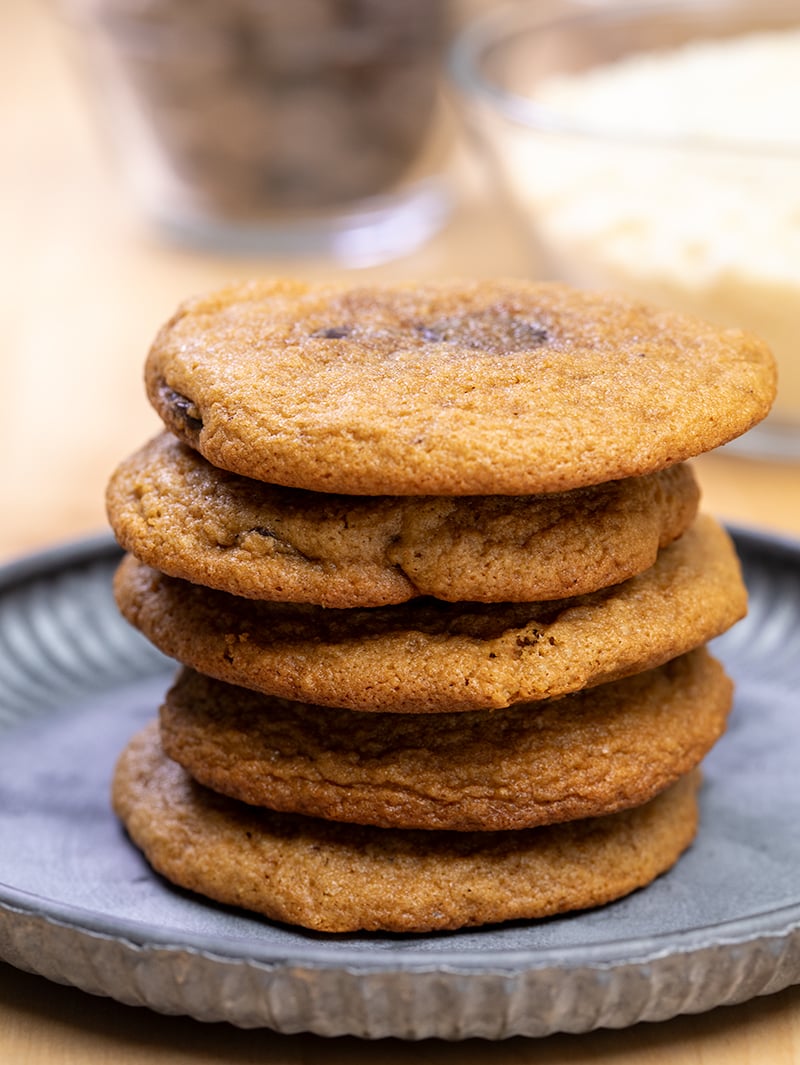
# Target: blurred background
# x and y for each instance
(158, 148)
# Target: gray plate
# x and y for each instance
(79, 905)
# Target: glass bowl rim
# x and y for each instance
(497, 26)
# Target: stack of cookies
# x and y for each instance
(431, 561)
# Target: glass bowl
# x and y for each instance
(654, 148)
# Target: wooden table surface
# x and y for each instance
(85, 286)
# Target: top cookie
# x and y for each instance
(450, 388)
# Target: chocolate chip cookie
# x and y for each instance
(591, 753)
(183, 516)
(449, 388)
(428, 656)
(334, 877)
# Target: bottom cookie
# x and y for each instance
(333, 877)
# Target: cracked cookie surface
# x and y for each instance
(591, 753)
(183, 516)
(428, 656)
(334, 877)
(449, 388)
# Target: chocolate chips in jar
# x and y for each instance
(254, 108)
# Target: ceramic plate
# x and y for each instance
(78, 903)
